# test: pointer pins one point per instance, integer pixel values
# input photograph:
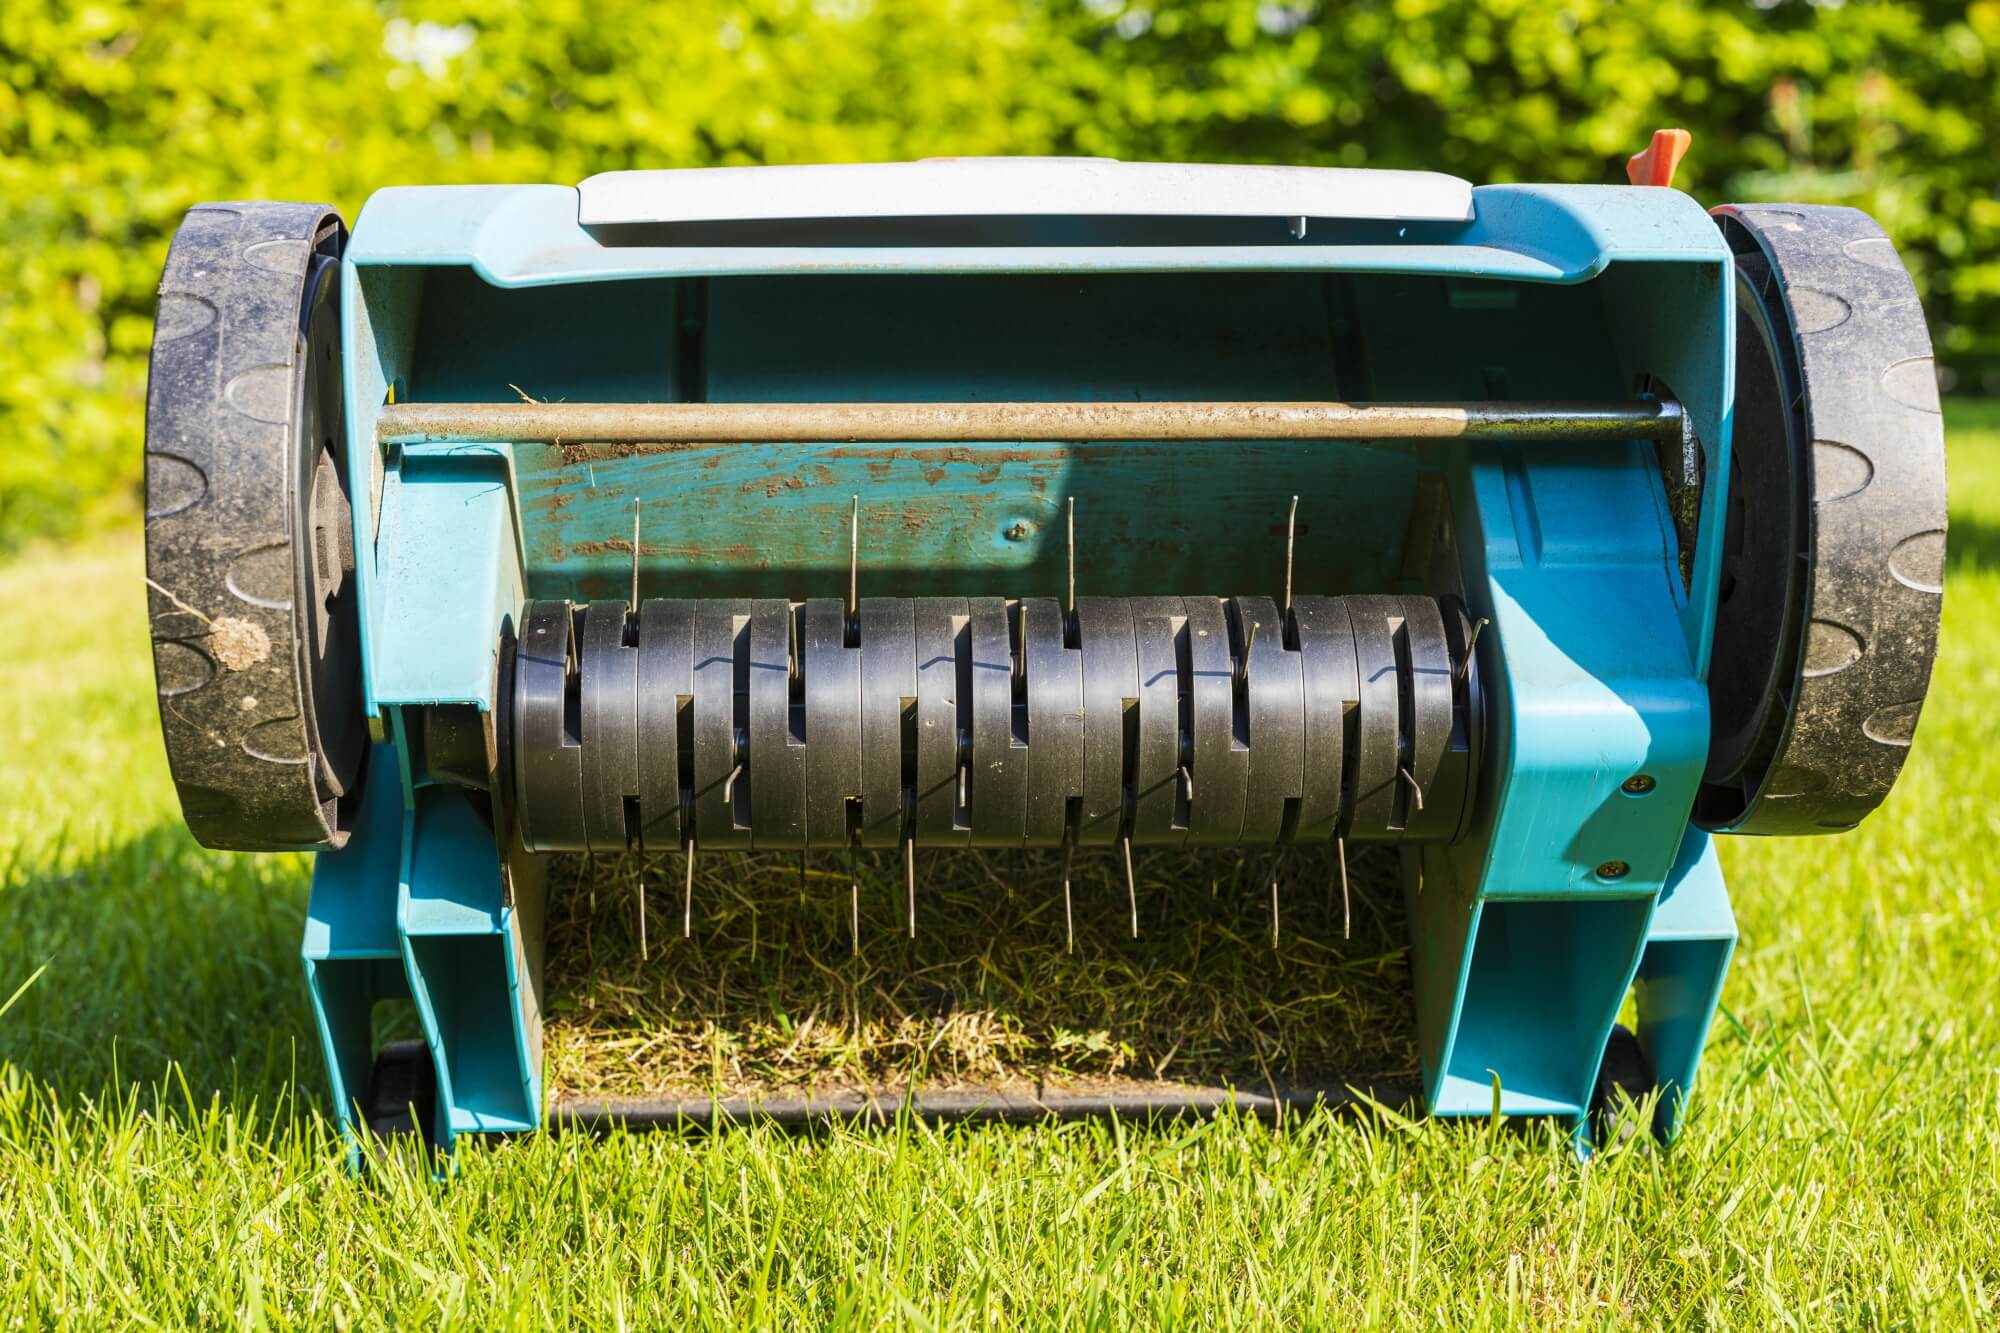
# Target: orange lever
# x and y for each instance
(1656, 165)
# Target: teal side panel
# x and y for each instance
(1529, 934)
(461, 945)
(1542, 985)
(1543, 910)
(447, 574)
(1677, 325)
(351, 954)
(418, 905)
(379, 310)
(1689, 943)
(1589, 681)
(351, 913)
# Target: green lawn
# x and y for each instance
(164, 1157)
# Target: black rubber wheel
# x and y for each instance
(1833, 555)
(402, 1092)
(249, 532)
(1625, 1075)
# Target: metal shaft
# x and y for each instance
(778, 423)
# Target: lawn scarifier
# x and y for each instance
(843, 511)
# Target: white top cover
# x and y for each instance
(1018, 187)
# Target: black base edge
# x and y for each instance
(979, 1106)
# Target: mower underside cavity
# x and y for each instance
(1518, 539)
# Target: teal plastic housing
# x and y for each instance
(1573, 889)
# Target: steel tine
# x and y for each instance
(1069, 918)
(1291, 542)
(1416, 791)
(643, 954)
(1346, 901)
(1471, 642)
(635, 555)
(687, 899)
(1072, 555)
(1277, 862)
(1131, 884)
(910, 879)
(854, 564)
(853, 901)
(1018, 662)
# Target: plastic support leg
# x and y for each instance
(416, 905)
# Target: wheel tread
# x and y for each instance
(1870, 394)
(228, 657)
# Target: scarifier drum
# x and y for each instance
(1538, 533)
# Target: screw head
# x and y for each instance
(1613, 870)
(1639, 784)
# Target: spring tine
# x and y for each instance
(1416, 791)
(802, 875)
(687, 901)
(643, 954)
(729, 783)
(1346, 902)
(1069, 919)
(1291, 541)
(1072, 555)
(1187, 780)
(853, 901)
(1243, 667)
(1277, 862)
(635, 555)
(910, 878)
(1131, 884)
(1471, 642)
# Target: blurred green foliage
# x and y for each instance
(116, 115)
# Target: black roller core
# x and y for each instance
(992, 722)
